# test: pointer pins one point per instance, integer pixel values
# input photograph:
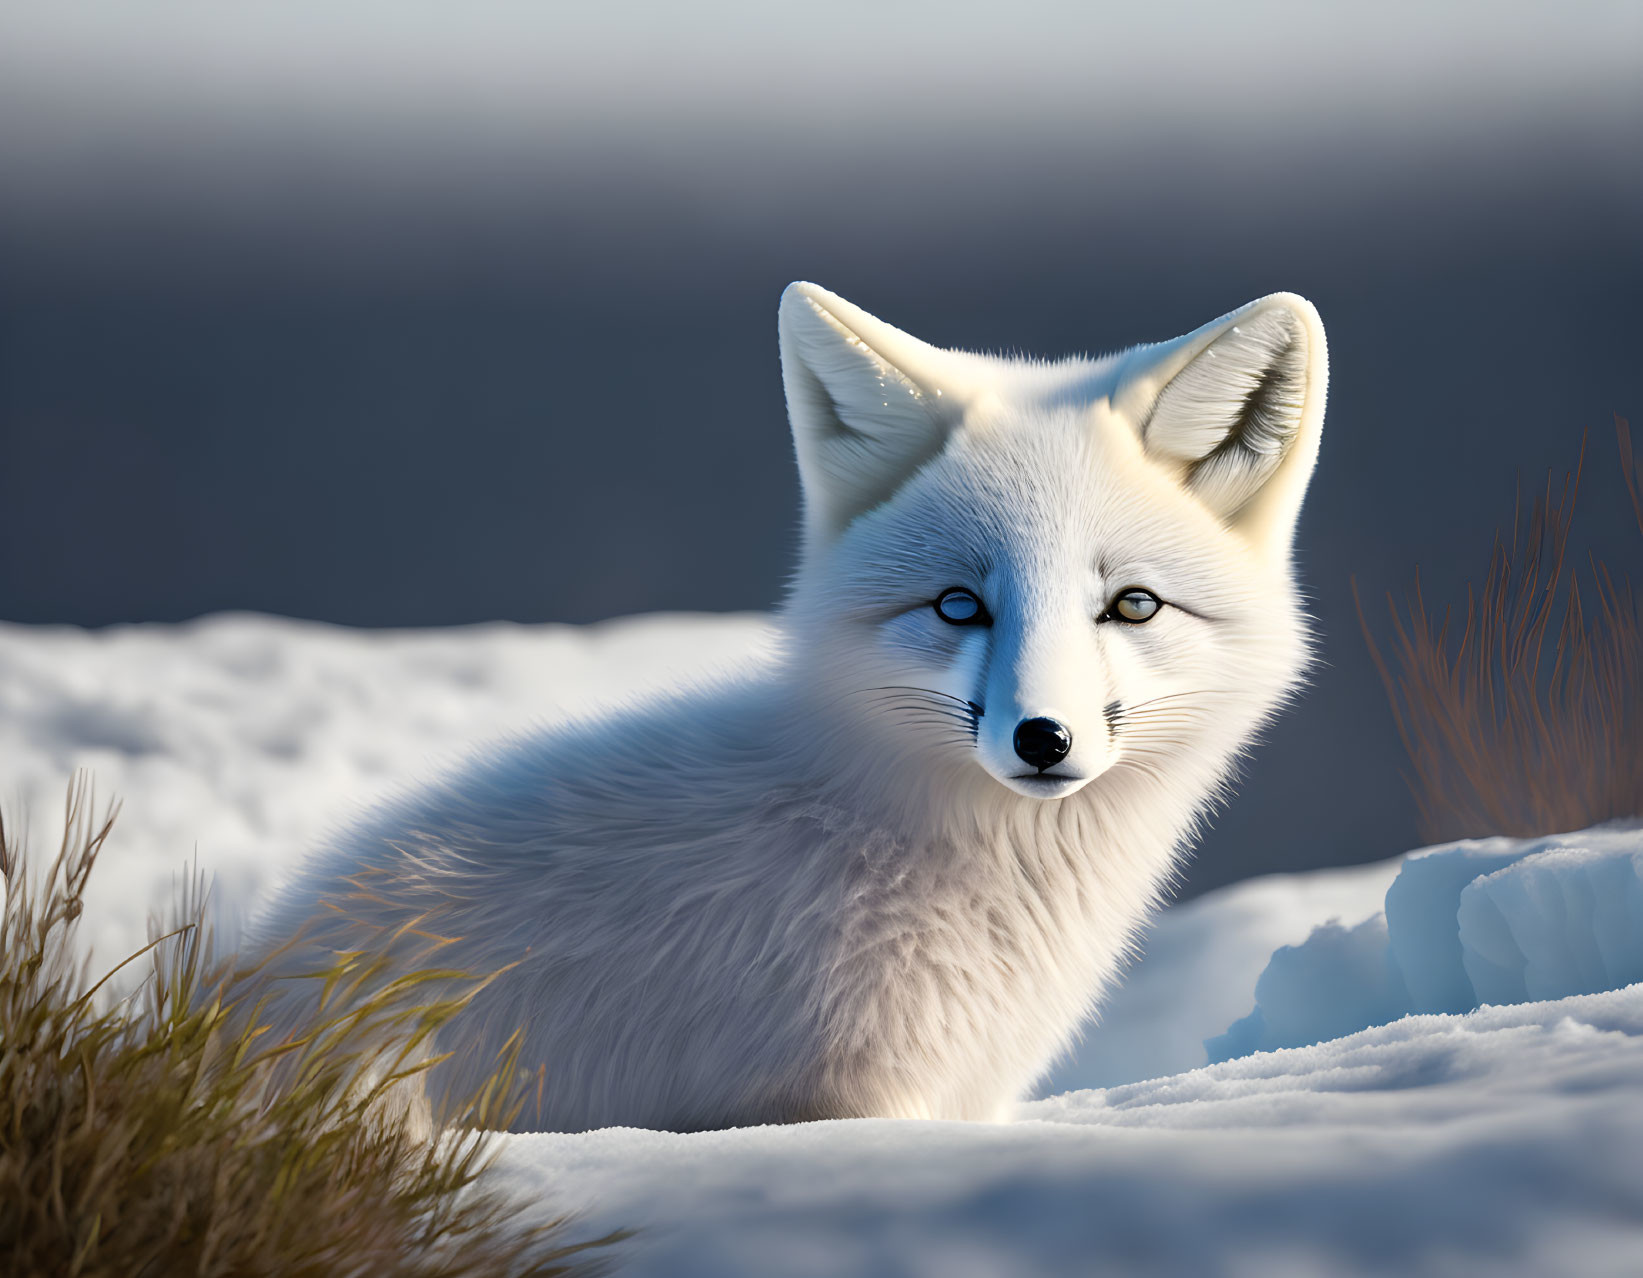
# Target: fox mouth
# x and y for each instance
(1043, 787)
(1046, 780)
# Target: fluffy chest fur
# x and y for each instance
(736, 948)
(964, 965)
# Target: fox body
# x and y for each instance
(1041, 608)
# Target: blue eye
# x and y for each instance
(960, 607)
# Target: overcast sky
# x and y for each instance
(838, 66)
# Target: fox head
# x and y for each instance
(1036, 574)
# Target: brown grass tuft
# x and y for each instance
(1530, 720)
(153, 1134)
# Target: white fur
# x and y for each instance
(811, 893)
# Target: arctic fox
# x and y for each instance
(1040, 609)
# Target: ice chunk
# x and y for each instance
(1420, 918)
(1335, 983)
(1485, 921)
(1560, 922)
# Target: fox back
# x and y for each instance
(1041, 607)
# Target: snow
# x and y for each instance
(1501, 1142)
(244, 738)
(1420, 913)
(1465, 924)
(1459, 1139)
(1561, 921)
(1200, 966)
(1340, 980)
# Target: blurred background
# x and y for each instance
(409, 314)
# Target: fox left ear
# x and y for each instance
(869, 404)
(1237, 406)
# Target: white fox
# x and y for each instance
(1040, 609)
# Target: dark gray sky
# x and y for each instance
(388, 317)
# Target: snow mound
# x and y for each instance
(1500, 1142)
(1465, 924)
(1339, 981)
(243, 739)
(1558, 922)
(1198, 963)
(1420, 918)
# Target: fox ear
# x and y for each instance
(1237, 407)
(868, 404)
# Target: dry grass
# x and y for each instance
(160, 1134)
(1530, 719)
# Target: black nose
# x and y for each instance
(1043, 743)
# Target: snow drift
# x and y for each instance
(1501, 1142)
(1466, 924)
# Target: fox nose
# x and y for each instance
(1042, 743)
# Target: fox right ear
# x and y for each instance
(1235, 408)
(868, 404)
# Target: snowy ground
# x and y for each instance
(246, 737)
(1504, 1142)
(1500, 1140)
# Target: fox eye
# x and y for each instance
(960, 607)
(1134, 606)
